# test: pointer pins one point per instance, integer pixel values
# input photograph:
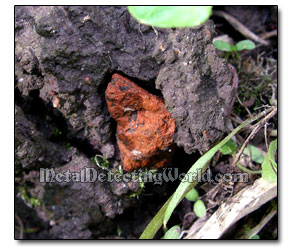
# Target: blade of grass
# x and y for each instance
(157, 221)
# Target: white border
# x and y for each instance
(7, 133)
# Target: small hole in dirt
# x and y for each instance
(148, 85)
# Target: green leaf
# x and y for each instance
(222, 45)
(102, 162)
(245, 45)
(269, 165)
(254, 153)
(171, 16)
(228, 148)
(35, 202)
(172, 233)
(199, 209)
(255, 237)
(192, 195)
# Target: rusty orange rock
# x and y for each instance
(145, 129)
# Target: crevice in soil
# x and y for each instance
(46, 118)
(148, 85)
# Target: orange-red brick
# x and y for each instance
(145, 129)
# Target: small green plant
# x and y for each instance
(57, 132)
(172, 233)
(29, 200)
(141, 189)
(171, 16)
(119, 231)
(229, 148)
(254, 153)
(102, 162)
(255, 237)
(198, 208)
(233, 49)
(68, 146)
(192, 195)
(269, 165)
(141, 179)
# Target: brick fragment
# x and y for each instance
(145, 129)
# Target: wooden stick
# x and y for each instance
(268, 34)
(245, 202)
(240, 27)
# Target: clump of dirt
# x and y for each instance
(197, 86)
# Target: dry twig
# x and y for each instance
(240, 27)
(269, 34)
(257, 127)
